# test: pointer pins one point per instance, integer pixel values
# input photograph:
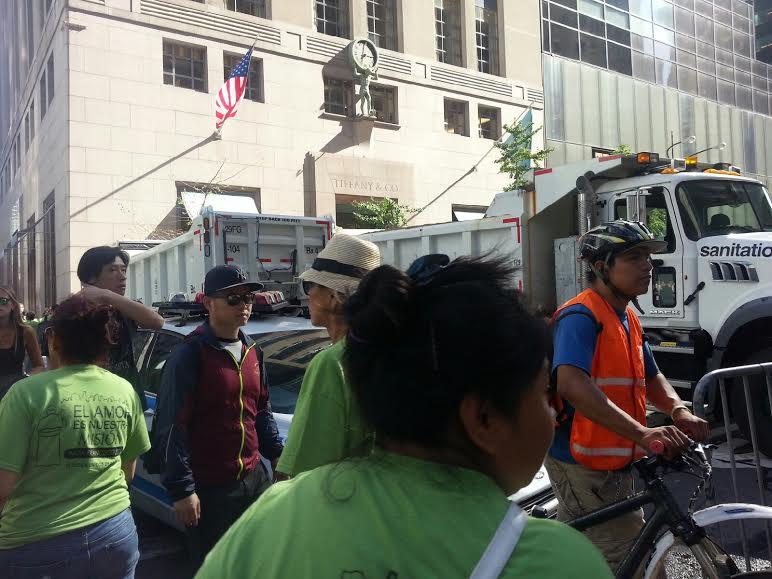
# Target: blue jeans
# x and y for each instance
(105, 550)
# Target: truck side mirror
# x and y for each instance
(636, 206)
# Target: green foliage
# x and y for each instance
(657, 222)
(622, 149)
(517, 158)
(381, 214)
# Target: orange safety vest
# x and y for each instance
(618, 371)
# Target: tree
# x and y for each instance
(657, 222)
(517, 158)
(381, 213)
(622, 149)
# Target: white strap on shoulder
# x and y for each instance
(502, 545)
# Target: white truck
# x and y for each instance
(272, 249)
(710, 301)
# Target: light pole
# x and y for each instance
(720, 147)
(687, 141)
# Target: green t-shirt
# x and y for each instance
(390, 516)
(327, 425)
(66, 432)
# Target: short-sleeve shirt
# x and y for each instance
(575, 336)
(327, 425)
(391, 516)
(70, 430)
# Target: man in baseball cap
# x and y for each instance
(214, 416)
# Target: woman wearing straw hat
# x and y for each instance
(327, 424)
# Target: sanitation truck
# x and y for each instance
(272, 249)
(710, 301)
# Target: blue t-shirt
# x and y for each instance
(574, 342)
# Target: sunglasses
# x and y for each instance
(307, 285)
(236, 299)
(5, 301)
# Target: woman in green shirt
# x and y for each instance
(71, 440)
(327, 424)
(449, 369)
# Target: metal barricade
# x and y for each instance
(705, 391)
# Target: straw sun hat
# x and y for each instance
(343, 263)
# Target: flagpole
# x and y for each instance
(217, 134)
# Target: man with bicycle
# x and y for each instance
(604, 372)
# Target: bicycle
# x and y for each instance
(682, 528)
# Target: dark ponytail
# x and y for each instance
(416, 349)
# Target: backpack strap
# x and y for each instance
(502, 545)
(561, 316)
(556, 401)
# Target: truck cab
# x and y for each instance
(710, 300)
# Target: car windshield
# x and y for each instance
(720, 206)
(287, 355)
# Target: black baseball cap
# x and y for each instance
(227, 277)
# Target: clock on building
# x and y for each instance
(363, 55)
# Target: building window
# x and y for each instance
(50, 78)
(447, 29)
(467, 212)
(190, 197)
(30, 32)
(49, 251)
(338, 96)
(345, 207)
(253, 7)
(184, 65)
(32, 119)
(385, 103)
(456, 115)
(489, 122)
(43, 97)
(487, 36)
(382, 23)
(17, 151)
(32, 265)
(332, 17)
(27, 137)
(254, 89)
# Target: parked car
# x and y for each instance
(288, 344)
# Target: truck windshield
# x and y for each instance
(720, 206)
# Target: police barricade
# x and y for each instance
(712, 390)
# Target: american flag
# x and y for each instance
(230, 94)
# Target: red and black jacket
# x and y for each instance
(214, 415)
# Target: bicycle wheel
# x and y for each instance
(738, 542)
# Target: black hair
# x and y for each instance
(414, 351)
(30, 316)
(92, 262)
(591, 277)
(84, 330)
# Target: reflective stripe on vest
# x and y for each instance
(603, 451)
(618, 381)
(618, 371)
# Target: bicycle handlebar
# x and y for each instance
(696, 450)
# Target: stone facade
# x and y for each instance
(117, 144)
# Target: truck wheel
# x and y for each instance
(759, 404)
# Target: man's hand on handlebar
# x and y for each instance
(675, 440)
(695, 428)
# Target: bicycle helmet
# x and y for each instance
(615, 237)
(609, 239)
